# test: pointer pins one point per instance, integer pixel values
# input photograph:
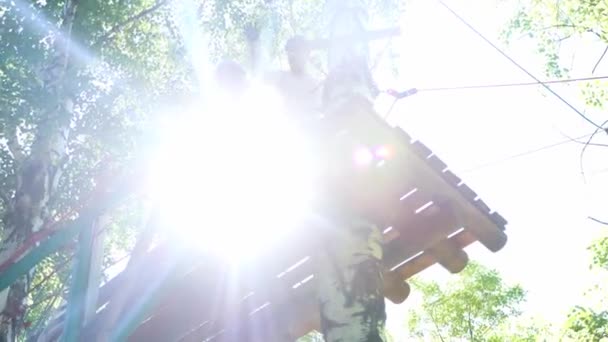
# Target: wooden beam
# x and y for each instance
(449, 255)
(421, 233)
(426, 260)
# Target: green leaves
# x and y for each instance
(549, 23)
(600, 253)
(471, 307)
(587, 325)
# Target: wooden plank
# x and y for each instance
(437, 164)
(261, 278)
(289, 322)
(482, 206)
(426, 260)
(421, 233)
(467, 192)
(421, 149)
(269, 324)
(485, 229)
(280, 292)
(404, 210)
(291, 307)
(285, 320)
(373, 131)
(451, 178)
(184, 305)
(304, 316)
(403, 135)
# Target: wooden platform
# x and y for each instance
(427, 215)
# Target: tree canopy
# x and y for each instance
(549, 25)
(473, 306)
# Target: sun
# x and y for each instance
(233, 178)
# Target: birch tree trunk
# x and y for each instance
(39, 172)
(350, 283)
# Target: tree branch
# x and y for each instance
(14, 148)
(568, 36)
(585, 148)
(38, 329)
(599, 60)
(53, 295)
(581, 29)
(470, 325)
(436, 326)
(598, 221)
(118, 27)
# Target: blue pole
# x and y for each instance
(80, 284)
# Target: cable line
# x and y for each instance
(519, 66)
(526, 153)
(516, 84)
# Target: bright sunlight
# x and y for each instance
(233, 178)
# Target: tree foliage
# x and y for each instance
(550, 23)
(472, 307)
(591, 323)
(600, 253)
(585, 324)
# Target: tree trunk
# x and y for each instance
(39, 173)
(350, 284)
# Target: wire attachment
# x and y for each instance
(401, 94)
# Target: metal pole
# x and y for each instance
(46, 248)
(59, 239)
(80, 284)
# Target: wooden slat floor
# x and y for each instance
(427, 216)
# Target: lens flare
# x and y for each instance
(383, 152)
(363, 156)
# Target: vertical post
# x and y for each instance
(80, 283)
(350, 272)
(94, 282)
